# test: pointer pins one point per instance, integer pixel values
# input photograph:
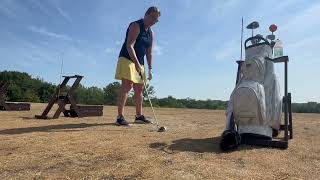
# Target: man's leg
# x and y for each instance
(138, 97)
(138, 88)
(123, 95)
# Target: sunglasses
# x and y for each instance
(154, 19)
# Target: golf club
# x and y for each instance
(160, 128)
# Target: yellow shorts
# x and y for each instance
(127, 70)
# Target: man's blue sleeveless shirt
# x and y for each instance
(143, 41)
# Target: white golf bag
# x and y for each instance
(256, 101)
(255, 106)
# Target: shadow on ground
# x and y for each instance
(190, 145)
(51, 127)
(210, 145)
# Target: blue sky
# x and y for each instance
(196, 42)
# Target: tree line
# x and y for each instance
(22, 87)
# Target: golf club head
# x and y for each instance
(256, 40)
(273, 28)
(253, 25)
(162, 129)
(259, 39)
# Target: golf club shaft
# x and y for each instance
(145, 88)
(241, 38)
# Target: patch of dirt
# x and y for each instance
(94, 148)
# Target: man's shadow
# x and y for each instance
(65, 127)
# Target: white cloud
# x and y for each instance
(228, 51)
(62, 12)
(157, 50)
(24, 53)
(304, 43)
(218, 10)
(41, 7)
(110, 50)
(44, 31)
(47, 9)
(14, 9)
(118, 42)
(5, 10)
(304, 22)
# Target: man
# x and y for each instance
(130, 68)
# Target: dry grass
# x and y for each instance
(93, 148)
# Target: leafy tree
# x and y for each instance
(45, 92)
(22, 87)
(95, 95)
(150, 91)
(111, 92)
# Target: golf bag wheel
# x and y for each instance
(230, 140)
